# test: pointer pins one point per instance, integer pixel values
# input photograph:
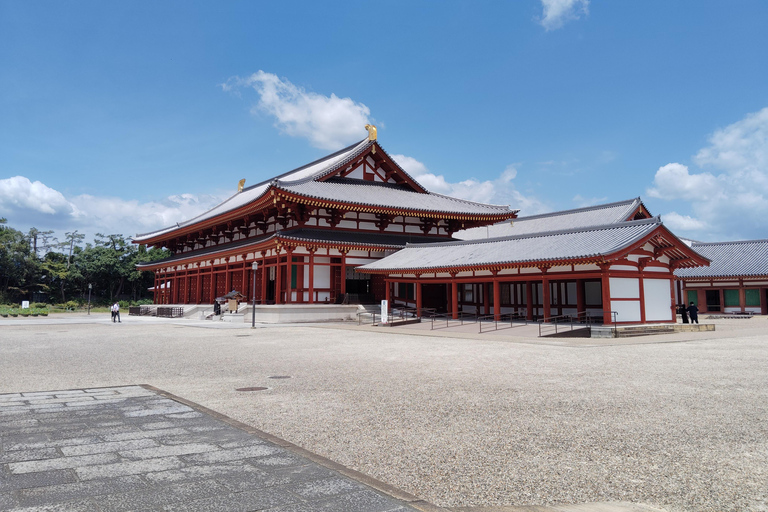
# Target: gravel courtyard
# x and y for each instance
(678, 421)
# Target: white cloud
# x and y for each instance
(29, 204)
(558, 12)
(328, 122)
(19, 192)
(582, 202)
(497, 191)
(728, 198)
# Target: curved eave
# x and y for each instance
(723, 277)
(405, 212)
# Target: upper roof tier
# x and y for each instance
(333, 181)
(610, 213)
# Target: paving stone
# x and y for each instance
(6, 501)
(39, 479)
(104, 447)
(35, 466)
(235, 454)
(81, 505)
(132, 433)
(64, 492)
(325, 488)
(128, 468)
(227, 471)
(280, 477)
(156, 498)
(236, 502)
(25, 455)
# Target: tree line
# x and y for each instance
(38, 267)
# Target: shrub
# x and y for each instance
(39, 305)
(71, 305)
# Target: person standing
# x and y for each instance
(116, 312)
(693, 312)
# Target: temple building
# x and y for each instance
(298, 237)
(611, 263)
(355, 227)
(736, 282)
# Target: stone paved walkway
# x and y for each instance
(137, 448)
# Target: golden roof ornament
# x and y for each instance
(371, 131)
(240, 185)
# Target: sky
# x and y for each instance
(127, 117)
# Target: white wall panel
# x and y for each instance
(628, 310)
(658, 300)
(624, 288)
(322, 276)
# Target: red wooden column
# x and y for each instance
(227, 278)
(288, 275)
(312, 275)
(742, 297)
(263, 278)
(642, 292)
(529, 300)
(278, 291)
(546, 297)
(418, 298)
(673, 303)
(454, 297)
(154, 292)
(486, 299)
(605, 286)
(580, 301)
(387, 295)
(246, 289)
(214, 280)
(344, 271)
(496, 299)
(199, 287)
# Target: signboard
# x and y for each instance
(25, 304)
(385, 311)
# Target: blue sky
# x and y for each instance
(125, 117)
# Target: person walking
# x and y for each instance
(693, 312)
(116, 312)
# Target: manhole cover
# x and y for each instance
(256, 388)
(280, 377)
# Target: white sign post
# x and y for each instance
(385, 311)
(25, 304)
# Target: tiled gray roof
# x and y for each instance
(365, 193)
(304, 181)
(567, 219)
(253, 192)
(384, 240)
(730, 259)
(569, 245)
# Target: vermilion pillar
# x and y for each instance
(546, 298)
(496, 300)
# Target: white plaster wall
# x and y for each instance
(347, 224)
(657, 269)
(624, 267)
(624, 288)
(412, 229)
(359, 261)
(628, 310)
(658, 300)
(369, 226)
(322, 276)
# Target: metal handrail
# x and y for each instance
(502, 319)
(581, 318)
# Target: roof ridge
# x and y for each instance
(538, 234)
(732, 242)
(579, 210)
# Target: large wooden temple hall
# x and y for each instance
(355, 225)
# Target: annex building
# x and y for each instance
(354, 226)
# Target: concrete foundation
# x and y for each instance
(297, 313)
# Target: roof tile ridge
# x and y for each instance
(467, 201)
(361, 147)
(579, 210)
(731, 242)
(297, 169)
(539, 234)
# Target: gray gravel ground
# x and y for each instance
(677, 421)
